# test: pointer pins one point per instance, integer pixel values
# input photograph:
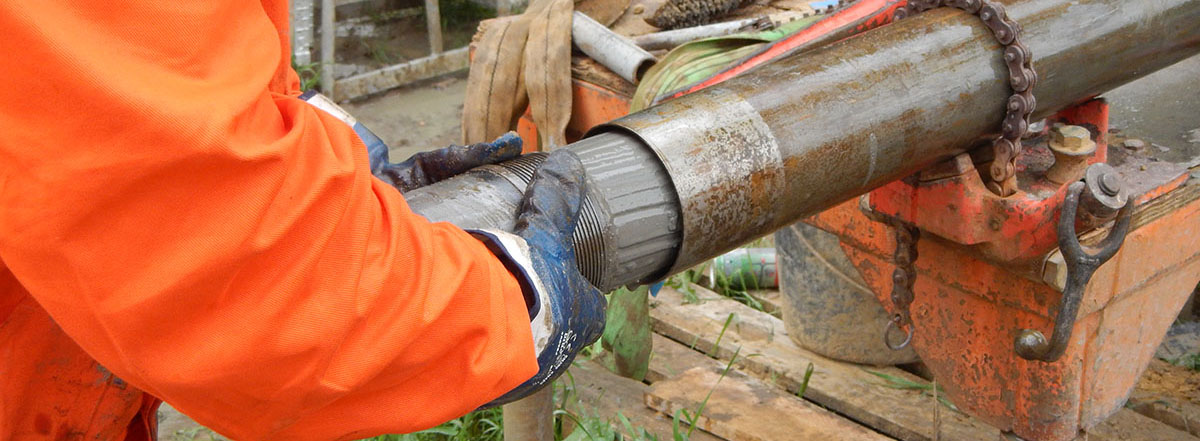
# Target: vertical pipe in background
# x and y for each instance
(433, 23)
(531, 418)
(302, 14)
(327, 35)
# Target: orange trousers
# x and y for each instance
(65, 394)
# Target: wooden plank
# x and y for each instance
(848, 389)
(737, 406)
(391, 77)
(605, 394)
(1170, 394)
(771, 299)
(671, 358)
(767, 352)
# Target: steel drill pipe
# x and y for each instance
(682, 182)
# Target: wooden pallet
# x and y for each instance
(754, 397)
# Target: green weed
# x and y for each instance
(380, 54)
(1190, 361)
(484, 425)
(684, 283)
(488, 425)
(736, 286)
(310, 74)
(895, 382)
(717, 345)
(463, 13)
(804, 383)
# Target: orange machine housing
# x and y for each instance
(981, 270)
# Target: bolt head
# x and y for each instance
(1054, 272)
(1070, 140)
(1031, 344)
(1110, 184)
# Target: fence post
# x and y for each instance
(328, 33)
(433, 23)
(302, 14)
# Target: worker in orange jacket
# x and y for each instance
(176, 219)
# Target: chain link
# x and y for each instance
(1005, 149)
(1021, 77)
(903, 277)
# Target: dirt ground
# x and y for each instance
(1162, 108)
(411, 119)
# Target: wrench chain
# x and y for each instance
(903, 277)
(1021, 77)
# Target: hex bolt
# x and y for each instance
(1072, 146)
(1104, 195)
(1054, 271)
(1135, 144)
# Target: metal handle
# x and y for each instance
(1031, 344)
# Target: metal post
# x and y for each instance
(531, 418)
(327, 37)
(433, 21)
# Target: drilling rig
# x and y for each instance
(1033, 271)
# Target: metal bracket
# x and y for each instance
(1031, 344)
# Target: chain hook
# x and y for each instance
(893, 324)
(1030, 343)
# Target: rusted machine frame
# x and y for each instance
(969, 310)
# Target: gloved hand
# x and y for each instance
(567, 311)
(426, 167)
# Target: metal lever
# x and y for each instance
(1031, 344)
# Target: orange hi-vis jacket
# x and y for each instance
(173, 220)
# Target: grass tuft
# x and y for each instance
(310, 74)
(895, 382)
(1190, 361)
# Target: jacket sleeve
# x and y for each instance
(224, 246)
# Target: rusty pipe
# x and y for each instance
(687, 180)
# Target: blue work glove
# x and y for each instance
(426, 167)
(567, 312)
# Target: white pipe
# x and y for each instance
(609, 48)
